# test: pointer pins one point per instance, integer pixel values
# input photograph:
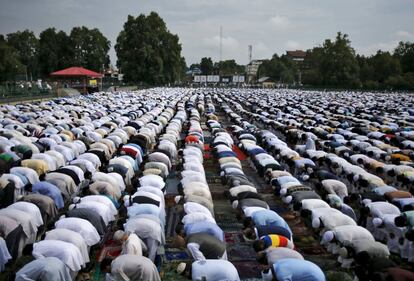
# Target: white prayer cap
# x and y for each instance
(283, 191)
(327, 237)
(267, 275)
(118, 235)
(287, 199)
(77, 199)
(377, 222)
(71, 206)
(177, 199)
(316, 223)
(366, 201)
(235, 204)
(305, 177)
(181, 267)
(355, 178)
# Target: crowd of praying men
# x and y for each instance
(79, 172)
(321, 158)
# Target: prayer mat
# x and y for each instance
(248, 269)
(233, 237)
(241, 252)
(173, 254)
(108, 251)
(240, 154)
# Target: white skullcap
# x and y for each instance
(355, 178)
(181, 267)
(316, 223)
(305, 177)
(287, 199)
(377, 222)
(177, 199)
(366, 201)
(118, 235)
(267, 275)
(71, 206)
(222, 173)
(235, 204)
(283, 191)
(327, 237)
(76, 199)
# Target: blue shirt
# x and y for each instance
(24, 179)
(226, 154)
(285, 179)
(263, 230)
(269, 218)
(297, 270)
(204, 227)
(256, 151)
(50, 190)
(48, 268)
(148, 209)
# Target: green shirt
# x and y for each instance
(410, 218)
(6, 157)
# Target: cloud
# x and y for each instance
(279, 22)
(229, 43)
(373, 48)
(271, 26)
(402, 34)
(292, 45)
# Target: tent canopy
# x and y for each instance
(76, 72)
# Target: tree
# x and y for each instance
(90, 48)
(147, 52)
(206, 66)
(55, 51)
(384, 65)
(228, 67)
(280, 69)
(312, 67)
(10, 64)
(27, 46)
(405, 53)
(333, 64)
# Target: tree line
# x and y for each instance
(335, 64)
(147, 52)
(225, 68)
(150, 54)
(22, 53)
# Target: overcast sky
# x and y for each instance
(270, 26)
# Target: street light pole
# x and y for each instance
(103, 75)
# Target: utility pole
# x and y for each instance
(103, 75)
(221, 43)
